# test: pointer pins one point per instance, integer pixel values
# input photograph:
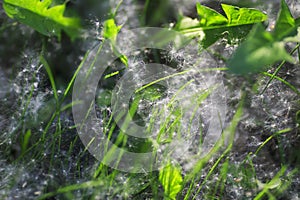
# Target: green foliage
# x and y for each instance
(25, 141)
(49, 21)
(110, 32)
(263, 48)
(171, 180)
(156, 13)
(210, 176)
(239, 16)
(213, 25)
(285, 24)
(298, 117)
(104, 98)
(277, 185)
(210, 17)
(259, 50)
(151, 93)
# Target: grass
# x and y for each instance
(45, 158)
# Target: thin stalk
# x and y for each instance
(278, 68)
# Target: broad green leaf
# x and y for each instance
(238, 16)
(258, 51)
(285, 23)
(262, 48)
(49, 21)
(235, 25)
(171, 180)
(297, 21)
(294, 37)
(210, 17)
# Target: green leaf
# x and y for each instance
(49, 21)
(104, 98)
(285, 23)
(111, 30)
(151, 93)
(210, 17)
(297, 21)
(238, 16)
(262, 48)
(258, 51)
(25, 142)
(213, 25)
(298, 117)
(171, 180)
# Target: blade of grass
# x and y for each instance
(229, 132)
(275, 181)
(270, 138)
(25, 142)
(298, 51)
(278, 68)
(51, 77)
(283, 81)
(69, 188)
